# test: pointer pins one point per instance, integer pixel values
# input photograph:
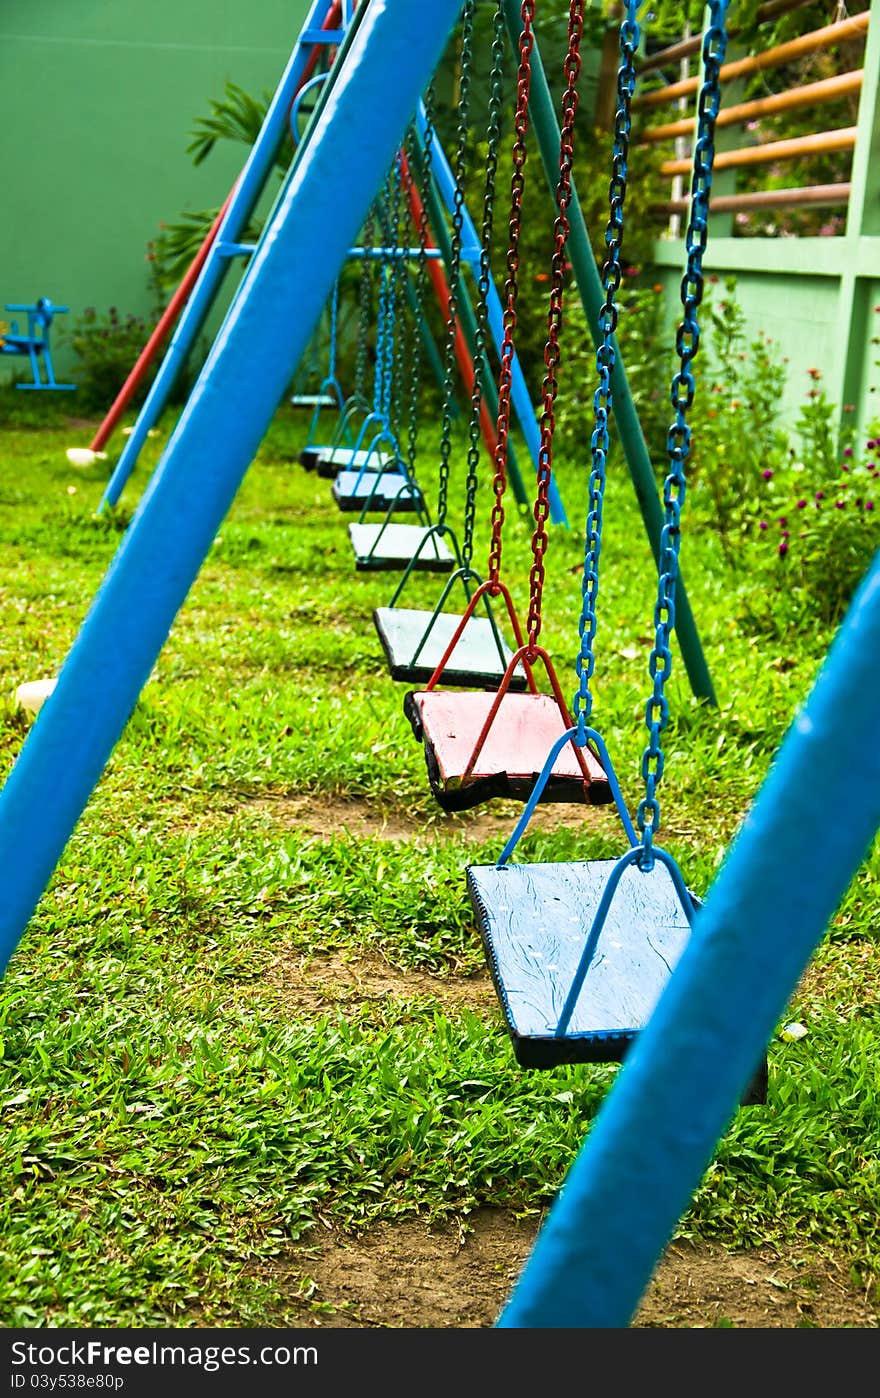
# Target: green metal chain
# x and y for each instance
(420, 281)
(398, 323)
(454, 270)
(481, 332)
(365, 299)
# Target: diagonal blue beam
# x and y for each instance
(762, 920)
(285, 288)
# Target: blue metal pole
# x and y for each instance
(284, 290)
(250, 184)
(680, 1085)
(522, 403)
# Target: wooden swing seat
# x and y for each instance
(329, 461)
(378, 490)
(534, 920)
(390, 546)
(524, 729)
(475, 660)
(313, 400)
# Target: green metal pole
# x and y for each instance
(468, 323)
(625, 415)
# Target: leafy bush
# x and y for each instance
(106, 345)
(820, 509)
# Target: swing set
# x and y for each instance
(580, 952)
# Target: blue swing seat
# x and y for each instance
(534, 920)
(375, 491)
(328, 460)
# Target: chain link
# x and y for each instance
(571, 70)
(605, 361)
(380, 372)
(687, 342)
(365, 300)
(334, 317)
(511, 285)
(454, 269)
(398, 315)
(420, 280)
(481, 332)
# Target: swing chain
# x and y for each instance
(381, 316)
(398, 285)
(678, 440)
(421, 274)
(571, 70)
(511, 287)
(605, 361)
(334, 316)
(362, 356)
(454, 270)
(481, 331)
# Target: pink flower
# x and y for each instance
(763, 524)
(766, 475)
(869, 504)
(847, 451)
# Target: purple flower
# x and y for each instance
(766, 475)
(763, 524)
(783, 521)
(820, 495)
(872, 444)
(869, 504)
(783, 549)
(847, 451)
(802, 504)
(839, 504)
(844, 468)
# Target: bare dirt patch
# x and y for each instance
(408, 1276)
(315, 984)
(328, 816)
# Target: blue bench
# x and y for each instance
(33, 344)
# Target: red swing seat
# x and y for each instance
(524, 729)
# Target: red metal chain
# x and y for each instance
(571, 70)
(511, 289)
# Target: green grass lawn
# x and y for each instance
(171, 1117)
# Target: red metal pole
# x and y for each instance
(190, 277)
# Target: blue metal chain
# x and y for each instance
(605, 359)
(678, 440)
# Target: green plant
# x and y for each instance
(736, 433)
(106, 345)
(820, 508)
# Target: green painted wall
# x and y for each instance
(97, 99)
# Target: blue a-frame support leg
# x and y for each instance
(315, 221)
(762, 919)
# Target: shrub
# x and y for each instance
(106, 345)
(820, 509)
